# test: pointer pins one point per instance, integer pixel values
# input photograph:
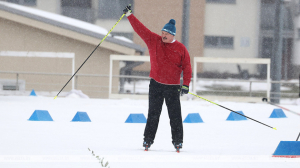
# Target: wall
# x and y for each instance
(241, 21)
(19, 37)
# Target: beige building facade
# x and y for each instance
(237, 21)
(27, 31)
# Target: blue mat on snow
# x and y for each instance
(236, 117)
(40, 115)
(277, 113)
(288, 148)
(32, 93)
(81, 117)
(193, 118)
(136, 118)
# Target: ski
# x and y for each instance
(147, 145)
(177, 146)
(178, 150)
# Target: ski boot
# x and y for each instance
(177, 146)
(147, 145)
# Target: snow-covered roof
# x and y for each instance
(68, 23)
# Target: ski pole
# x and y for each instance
(90, 54)
(231, 110)
(266, 100)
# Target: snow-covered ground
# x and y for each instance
(216, 143)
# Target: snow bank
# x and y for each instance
(76, 94)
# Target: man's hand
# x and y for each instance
(127, 10)
(184, 89)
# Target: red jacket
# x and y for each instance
(167, 60)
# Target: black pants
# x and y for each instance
(157, 94)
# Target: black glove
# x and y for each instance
(127, 9)
(184, 89)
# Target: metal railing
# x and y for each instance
(292, 93)
(251, 92)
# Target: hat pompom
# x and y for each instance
(172, 21)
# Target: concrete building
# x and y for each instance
(231, 31)
(43, 49)
(246, 29)
(103, 13)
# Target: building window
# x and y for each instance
(218, 42)
(23, 2)
(30, 2)
(112, 9)
(268, 16)
(13, 1)
(76, 3)
(78, 9)
(298, 33)
(9, 87)
(221, 1)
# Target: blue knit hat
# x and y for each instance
(170, 27)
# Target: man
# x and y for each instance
(168, 58)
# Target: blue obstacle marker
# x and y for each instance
(32, 93)
(193, 118)
(40, 115)
(236, 117)
(136, 118)
(81, 117)
(289, 149)
(277, 113)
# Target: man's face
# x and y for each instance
(166, 37)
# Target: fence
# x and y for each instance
(84, 82)
(265, 61)
(48, 84)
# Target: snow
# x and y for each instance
(123, 38)
(215, 143)
(76, 94)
